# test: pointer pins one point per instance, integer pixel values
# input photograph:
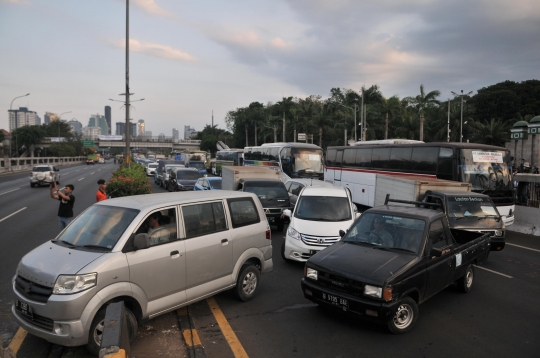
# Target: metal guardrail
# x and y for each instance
(26, 163)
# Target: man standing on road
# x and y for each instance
(101, 194)
(65, 210)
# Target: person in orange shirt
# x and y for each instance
(101, 194)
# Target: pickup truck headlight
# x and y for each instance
(69, 284)
(293, 233)
(311, 273)
(373, 291)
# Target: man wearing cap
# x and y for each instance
(101, 194)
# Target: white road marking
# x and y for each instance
(9, 191)
(81, 179)
(92, 173)
(18, 211)
(523, 247)
(498, 273)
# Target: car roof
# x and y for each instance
(409, 211)
(324, 191)
(310, 182)
(151, 201)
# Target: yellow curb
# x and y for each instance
(191, 337)
(227, 330)
(17, 340)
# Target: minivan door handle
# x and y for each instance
(175, 254)
(225, 242)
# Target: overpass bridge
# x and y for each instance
(146, 143)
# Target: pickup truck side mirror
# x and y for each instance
(141, 241)
(439, 251)
(287, 212)
(342, 233)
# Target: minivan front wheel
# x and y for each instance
(247, 283)
(96, 330)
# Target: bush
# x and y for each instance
(129, 181)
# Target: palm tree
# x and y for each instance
(492, 132)
(421, 103)
(288, 109)
(389, 108)
(370, 96)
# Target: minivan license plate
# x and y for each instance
(335, 300)
(24, 308)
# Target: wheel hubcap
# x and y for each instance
(98, 333)
(469, 278)
(250, 283)
(403, 316)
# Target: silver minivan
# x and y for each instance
(155, 252)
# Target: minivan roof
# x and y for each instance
(323, 191)
(149, 201)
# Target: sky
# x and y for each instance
(189, 59)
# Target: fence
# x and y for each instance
(8, 165)
(527, 190)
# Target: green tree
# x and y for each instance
(421, 102)
(390, 108)
(492, 132)
(28, 136)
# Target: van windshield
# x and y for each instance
(99, 227)
(323, 208)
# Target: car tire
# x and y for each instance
(32, 185)
(96, 330)
(404, 317)
(465, 283)
(247, 284)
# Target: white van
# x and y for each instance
(155, 253)
(318, 216)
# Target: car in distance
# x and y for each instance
(183, 179)
(165, 171)
(90, 161)
(44, 175)
(209, 242)
(208, 183)
(318, 217)
(151, 168)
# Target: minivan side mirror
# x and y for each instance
(341, 233)
(357, 215)
(287, 212)
(141, 241)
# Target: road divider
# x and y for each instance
(18, 211)
(190, 334)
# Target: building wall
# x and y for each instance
(528, 149)
(21, 117)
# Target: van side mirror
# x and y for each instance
(439, 251)
(341, 233)
(357, 215)
(141, 241)
(287, 212)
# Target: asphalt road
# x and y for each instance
(499, 318)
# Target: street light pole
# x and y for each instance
(16, 126)
(461, 121)
(448, 124)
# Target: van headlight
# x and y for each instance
(498, 233)
(69, 284)
(293, 233)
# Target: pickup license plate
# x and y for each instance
(270, 219)
(336, 301)
(24, 308)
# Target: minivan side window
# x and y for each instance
(202, 219)
(160, 226)
(243, 212)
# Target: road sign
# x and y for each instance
(301, 136)
(88, 143)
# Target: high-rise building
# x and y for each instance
(121, 128)
(147, 134)
(21, 117)
(76, 126)
(189, 132)
(161, 136)
(140, 128)
(108, 117)
(91, 132)
(97, 120)
(175, 133)
(50, 117)
(38, 120)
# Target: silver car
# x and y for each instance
(154, 252)
(44, 175)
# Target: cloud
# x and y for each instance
(155, 50)
(151, 7)
(22, 2)
(280, 43)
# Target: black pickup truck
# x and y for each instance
(390, 260)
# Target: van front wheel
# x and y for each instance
(96, 330)
(247, 284)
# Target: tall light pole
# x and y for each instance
(461, 122)
(16, 126)
(448, 124)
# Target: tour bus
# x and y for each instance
(227, 157)
(295, 160)
(487, 168)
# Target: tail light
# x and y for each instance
(268, 235)
(50, 173)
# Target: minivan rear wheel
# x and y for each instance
(247, 284)
(96, 330)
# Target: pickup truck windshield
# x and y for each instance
(387, 231)
(98, 227)
(323, 208)
(459, 207)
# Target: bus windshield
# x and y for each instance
(307, 161)
(485, 170)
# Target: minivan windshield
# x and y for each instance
(99, 227)
(323, 208)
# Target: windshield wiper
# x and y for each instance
(65, 242)
(95, 247)
(402, 249)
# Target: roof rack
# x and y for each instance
(387, 199)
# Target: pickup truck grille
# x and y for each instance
(319, 240)
(31, 290)
(341, 284)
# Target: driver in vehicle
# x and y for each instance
(379, 234)
(156, 233)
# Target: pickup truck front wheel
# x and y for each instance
(404, 317)
(465, 283)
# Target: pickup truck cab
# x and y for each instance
(392, 259)
(472, 212)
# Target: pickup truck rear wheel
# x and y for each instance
(247, 284)
(465, 283)
(404, 317)
(96, 330)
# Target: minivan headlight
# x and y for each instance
(69, 284)
(293, 233)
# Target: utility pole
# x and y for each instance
(461, 122)
(448, 124)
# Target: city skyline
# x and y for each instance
(189, 59)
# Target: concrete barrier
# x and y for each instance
(16, 165)
(115, 338)
(526, 220)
